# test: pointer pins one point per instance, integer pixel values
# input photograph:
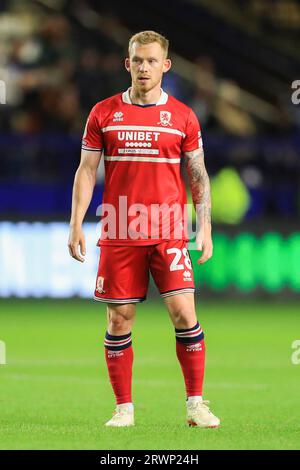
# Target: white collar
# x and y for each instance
(162, 99)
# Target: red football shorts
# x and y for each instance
(123, 271)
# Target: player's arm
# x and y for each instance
(200, 189)
(84, 183)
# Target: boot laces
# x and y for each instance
(120, 411)
(202, 405)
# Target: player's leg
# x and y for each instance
(122, 281)
(190, 349)
(172, 271)
(190, 345)
(119, 360)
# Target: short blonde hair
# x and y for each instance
(147, 37)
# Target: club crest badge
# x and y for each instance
(165, 118)
(100, 285)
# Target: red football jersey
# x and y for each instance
(144, 193)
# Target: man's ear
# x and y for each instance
(127, 64)
(167, 65)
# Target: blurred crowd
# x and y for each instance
(55, 71)
(283, 15)
(52, 78)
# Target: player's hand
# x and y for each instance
(204, 243)
(76, 243)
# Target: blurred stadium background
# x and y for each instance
(234, 63)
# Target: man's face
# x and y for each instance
(146, 64)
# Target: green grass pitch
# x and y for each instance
(55, 394)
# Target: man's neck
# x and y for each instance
(150, 97)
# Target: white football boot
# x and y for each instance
(199, 414)
(123, 416)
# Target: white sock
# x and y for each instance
(194, 399)
(127, 405)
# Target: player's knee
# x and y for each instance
(120, 319)
(183, 318)
(117, 323)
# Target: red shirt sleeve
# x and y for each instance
(193, 139)
(92, 136)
